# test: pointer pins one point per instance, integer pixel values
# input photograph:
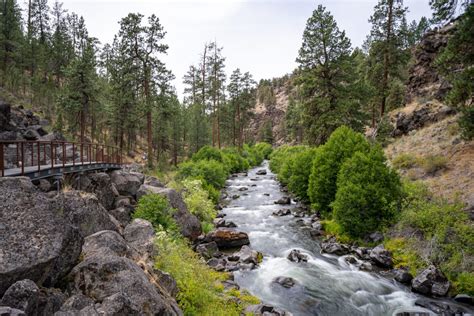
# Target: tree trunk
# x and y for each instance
(386, 58)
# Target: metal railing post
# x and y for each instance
(2, 167)
(52, 155)
(22, 159)
(82, 153)
(39, 155)
(64, 154)
(73, 154)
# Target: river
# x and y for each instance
(326, 284)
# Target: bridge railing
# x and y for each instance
(31, 156)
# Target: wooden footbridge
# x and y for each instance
(47, 159)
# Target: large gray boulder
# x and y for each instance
(127, 183)
(38, 242)
(8, 311)
(101, 185)
(122, 215)
(381, 256)
(106, 242)
(189, 225)
(86, 212)
(227, 238)
(103, 277)
(431, 282)
(334, 248)
(140, 235)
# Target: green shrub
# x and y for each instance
(404, 256)
(341, 145)
(433, 163)
(368, 194)
(208, 153)
(301, 170)
(280, 156)
(155, 209)
(200, 290)
(212, 171)
(465, 283)
(198, 202)
(234, 161)
(466, 122)
(404, 161)
(264, 149)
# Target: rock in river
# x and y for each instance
(431, 282)
(381, 256)
(285, 281)
(261, 172)
(332, 247)
(283, 200)
(228, 238)
(297, 256)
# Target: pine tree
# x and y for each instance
(325, 77)
(11, 37)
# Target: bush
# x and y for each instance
(433, 163)
(341, 145)
(404, 161)
(466, 122)
(200, 291)
(155, 209)
(198, 202)
(368, 194)
(234, 161)
(264, 149)
(212, 171)
(301, 170)
(208, 153)
(280, 156)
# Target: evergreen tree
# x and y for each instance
(11, 39)
(325, 77)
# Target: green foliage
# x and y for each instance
(443, 233)
(208, 153)
(334, 229)
(433, 163)
(198, 202)
(155, 209)
(301, 170)
(368, 194)
(212, 171)
(200, 291)
(264, 149)
(405, 161)
(466, 122)
(404, 256)
(234, 161)
(465, 283)
(280, 155)
(342, 144)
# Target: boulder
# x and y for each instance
(431, 282)
(375, 237)
(243, 189)
(101, 185)
(86, 212)
(223, 223)
(381, 256)
(44, 185)
(263, 309)
(127, 183)
(119, 304)
(261, 172)
(286, 282)
(283, 201)
(207, 250)
(402, 276)
(464, 298)
(297, 256)
(283, 212)
(122, 215)
(102, 277)
(105, 242)
(8, 311)
(22, 295)
(228, 238)
(189, 225)
(38, 241)
(166, 281)
(248, 255)
(332, 247)
(140, 235)
(154, 182)
(77, 302)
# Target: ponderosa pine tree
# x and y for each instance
(325, 77)
(11, 39)
(388, 52)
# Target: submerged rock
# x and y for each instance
(286, 282)
(283, 212)
(431, 282)
(261, 172)
(283, 201)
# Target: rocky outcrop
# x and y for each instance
(189, 224)
(330, 246)
(127, 183)
(85, 211)
(424, 81)
(431, 282)
(38, 241)
(119, 282)
(101, 185)
(140, 235)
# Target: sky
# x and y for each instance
(259, 36)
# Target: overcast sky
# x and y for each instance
(260, 36)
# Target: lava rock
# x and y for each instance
(332, 247)
(207, 250)
(166, 281)
(228, 238)
(8, 311)
(101, 185)
(122, 215)
(261, 172)
(248, 255)
(22, 295)
(154, 182)
(297, 256)
(286, 282)
(402, 276)
(77, 302)
(283, 201)
(283, 212)
(127, 183)
(101, 277)
(381, 257)
(223, 223)
(350, 260)
(140, 235)
(38, 242)
(105, 242)
(464, 298)
(431, 282)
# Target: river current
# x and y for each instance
(326, 284)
